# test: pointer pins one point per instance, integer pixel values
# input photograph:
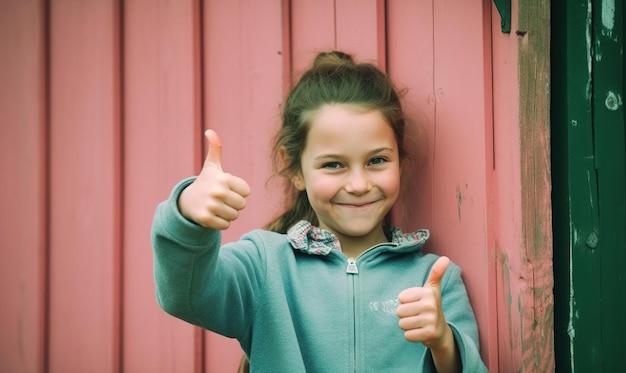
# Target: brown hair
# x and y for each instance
(334, 79)
(244, 365)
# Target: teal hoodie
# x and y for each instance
(296, 303)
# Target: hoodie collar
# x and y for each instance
(318, 241)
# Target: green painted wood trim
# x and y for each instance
(588, 184)
(504, 8)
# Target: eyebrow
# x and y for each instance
(369, 154)
(380, 150)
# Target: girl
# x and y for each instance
(330, 286)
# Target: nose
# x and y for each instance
(358, 182)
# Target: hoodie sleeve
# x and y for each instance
(195, 279)
(460, 316)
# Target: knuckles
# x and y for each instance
(215, 198)
(408, 295)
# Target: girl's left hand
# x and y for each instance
(420, 311)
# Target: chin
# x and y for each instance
(359, 232)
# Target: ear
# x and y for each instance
(298, 182)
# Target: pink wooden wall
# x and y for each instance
(102, 108)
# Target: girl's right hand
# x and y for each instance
(215, 198)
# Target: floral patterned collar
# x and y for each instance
(317, 241)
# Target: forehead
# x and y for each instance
(344, 125)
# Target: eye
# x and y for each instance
(332, 165)
(377, 161)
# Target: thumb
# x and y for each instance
(437, 271)
(214, 153)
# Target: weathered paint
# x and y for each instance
(522, 169)
(536, 239)
(573, 314)
(608, 17)
(613, 101)
(589, 186)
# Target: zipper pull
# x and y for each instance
(352, 268)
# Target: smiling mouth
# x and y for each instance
(357, 205)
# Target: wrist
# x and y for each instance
(445, 353)
(446, 342)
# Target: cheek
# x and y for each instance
(322, 187)
(391, 183)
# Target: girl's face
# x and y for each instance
(351, 172)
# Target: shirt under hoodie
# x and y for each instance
(296, 303)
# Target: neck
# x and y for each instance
(352, 247)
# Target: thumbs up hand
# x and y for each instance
(215, 198)
(420, 311)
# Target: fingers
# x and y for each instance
(420, 320)
(221, 216)
(415, 301)
(239, 186)
(423, 325)
(421, 317)
(434, 280)
(214, 153)
(217, 205)
(420, 313)
(214, 158)
(216, 197)
(235, 196)
(437, 272)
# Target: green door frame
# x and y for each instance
(589, 184)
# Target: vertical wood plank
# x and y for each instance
(536, 297)
(161, 125)
(360, 29)
(411, 61)
(504, 196)
(488, 324)
(575, 197)
(243, 47)
(22, 190)
(505, 199)
(460, 156)
(313, 30)
(450, 107)
(609, 139)
(84, 187)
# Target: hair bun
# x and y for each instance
(332, 59)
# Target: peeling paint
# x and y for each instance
(572, 300)
(506, 281)
(591, 189)
(613, 101)
(608, 17)
(592, 240)
(589, 48)
(597, 52)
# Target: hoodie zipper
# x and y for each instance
(352, 270)
(352, 267)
